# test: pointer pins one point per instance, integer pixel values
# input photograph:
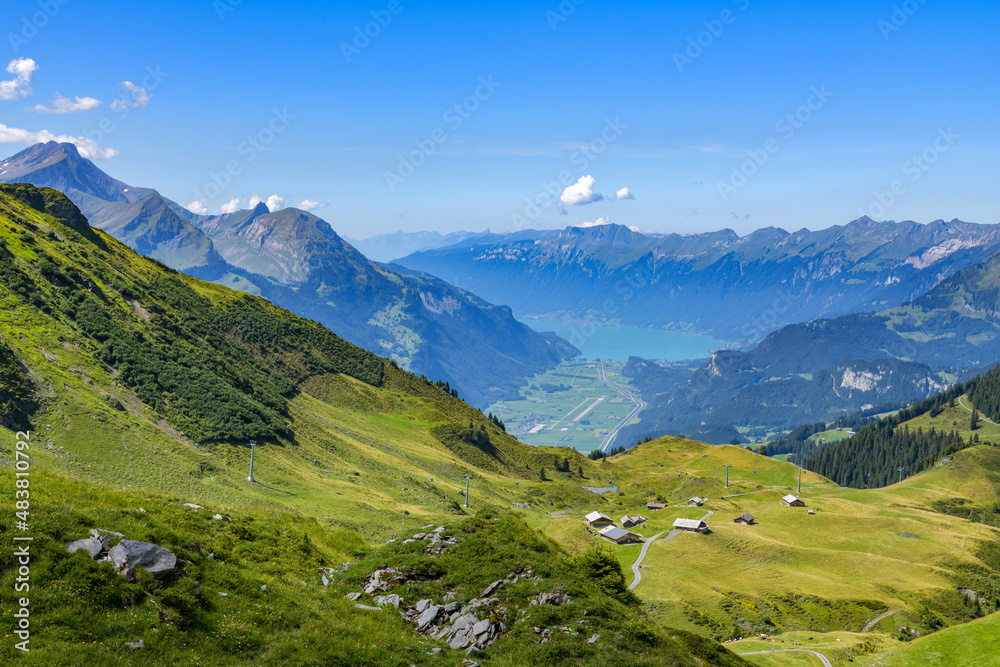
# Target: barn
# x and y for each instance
(691, 525)
(630, 521)
(652, 507)
(745, 519)
(793, 501)
(619, 536)
(597, 520)
(696, 502)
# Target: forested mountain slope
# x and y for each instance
(298, 261)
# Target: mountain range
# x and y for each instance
(735, 288)
(298, 261)
(823, 369)
(136, 388)
(388, 247)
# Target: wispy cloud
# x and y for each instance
(63, 105)
(132, 96)
(311, 205)
(23, 70)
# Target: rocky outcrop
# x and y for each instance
(127, 555)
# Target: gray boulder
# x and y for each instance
(128, 555)
(427, 618)
(92, 546)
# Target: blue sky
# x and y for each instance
(894, 108)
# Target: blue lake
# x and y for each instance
(618, 343)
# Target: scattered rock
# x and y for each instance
(353, 596)
(367, 608)
(137, 644)
(192, 506)
(223, 595)
(129, 555)
(593, 640)
(491, 588)
(93, 546)
(551, 598)
(264, 588)
(217, 517)
(384, 600)
(425, 619)
(326, 582)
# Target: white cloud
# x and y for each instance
(88, 147)
(310, 205)
(274, 202)
(624, 193)
(582, 192)
(231, 206)
(23, 70)
(197, 207)
(65, 105)
(134, 96)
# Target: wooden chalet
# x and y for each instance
(598, 520)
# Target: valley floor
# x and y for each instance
(578, 404)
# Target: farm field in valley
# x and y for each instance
(570, 406)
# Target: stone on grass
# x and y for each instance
(92, 546)
(427, 618)
(129, 554)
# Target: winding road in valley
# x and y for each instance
(645, 547)
(639, 406)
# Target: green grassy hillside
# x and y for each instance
(975, 644)
(895, 556)
(141, 387)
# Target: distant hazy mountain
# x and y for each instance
(387, 247)
(819, 370)
(737, 288)
(299, 262)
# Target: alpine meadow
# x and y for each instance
(379, 333)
